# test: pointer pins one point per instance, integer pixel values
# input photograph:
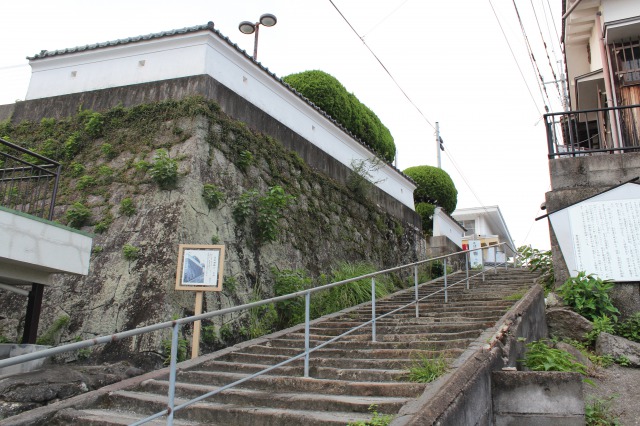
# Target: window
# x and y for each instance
(470, 226)
(627, 62)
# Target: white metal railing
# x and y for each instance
(175, 325)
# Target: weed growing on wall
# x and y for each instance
(130, 252)
(212, 195)
(539, 261)
(164, 170)
(361, 179)
(598, 412)
(425, 370)
(541, 357)
(49, 337)
(629, 329)
(77, 215)
(262, 212)
(127, 207)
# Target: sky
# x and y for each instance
(450, 58)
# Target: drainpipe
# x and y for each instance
(607, 81)
(573, 6)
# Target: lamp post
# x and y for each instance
(248, 27)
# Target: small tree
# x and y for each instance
(435, 188)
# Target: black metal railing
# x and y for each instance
(593, 131)
(28, 181)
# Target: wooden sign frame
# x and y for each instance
(204, 265)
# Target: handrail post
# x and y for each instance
(172, 373)
(446, 298)
(373, 309)
(482, 258)
(466, 266)
(415, 280)
(307, 310)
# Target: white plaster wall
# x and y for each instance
(206, 53)
(444, 225)
(31, 244)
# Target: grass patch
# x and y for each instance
(426, 370)
(516, 296)
(597, 412)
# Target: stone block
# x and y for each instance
(616, 346)
(537, 398)
(597, 163)
(566, 324)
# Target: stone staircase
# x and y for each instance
(346, 377)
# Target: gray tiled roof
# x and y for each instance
(209, 26)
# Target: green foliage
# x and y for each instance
(77, 215)
(108, 151)
(329, 95)
(426, 210)
(245, 159)
(360, 179)
(541, 357)
(104, 224)
(130, 252)
(287, 281)
(229, 284)
(629, 329)
(377, 419)
(264, 212)
(183, 345)
(127, 207)
(72, 145)
(212, 195)
(434, 186)
(597, 412)
(142, 165)
(48, 338)
(76, 169)
(97, 249)
(94, 125)
(425, 370)
(541, 261)
(86, 181)
(603, 324)
(215, 239)
(262, 320)
(516, 296)
(588, 295)
(164, 170)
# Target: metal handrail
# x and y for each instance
(175, 325)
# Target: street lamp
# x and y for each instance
(248, 27)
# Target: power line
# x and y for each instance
(381, 64)
(544, 43)
(532, 58)
(385, 18)
(515, 59)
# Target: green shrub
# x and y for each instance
(539, 261)
(588, 295)
(164, 170)
(245, 159)
(94, 124)
(104, 224)
(360, 179)
(107, 150)
(212, 195)
(48, 338)
(434, 186)
(291, 311)
(597, 412)
(425, 370)
(85, 182)
(377, 419)
(130, 252)
(629, 329)
(603, 324)
(183, 346)
(329, 95)
(127, 207)
(72, 145)
(541, 357)
(265, 212)
(77, 215)
(215, 239)
(76, 169)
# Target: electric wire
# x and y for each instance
(513, 55)
(546, 50)
(382, 65)
(384, 19)
(532, 58)
(555, 27)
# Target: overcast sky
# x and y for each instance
(450, 58)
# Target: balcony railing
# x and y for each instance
(28, 181)
(594, 131)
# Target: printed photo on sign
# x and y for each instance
(200, 267)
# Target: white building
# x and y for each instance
(487, 225)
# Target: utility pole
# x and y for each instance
(438, 144)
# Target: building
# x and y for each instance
(594, 144)
(487, 225)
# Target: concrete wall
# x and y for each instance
(574, 179)
(465, 397)
(441, 245)
(444, 225)
(537, 398)
(230, 102)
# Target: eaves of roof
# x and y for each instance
(208, 27)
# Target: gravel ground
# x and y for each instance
(624, 385)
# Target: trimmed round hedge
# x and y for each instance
(435, 188)
(330, 95)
